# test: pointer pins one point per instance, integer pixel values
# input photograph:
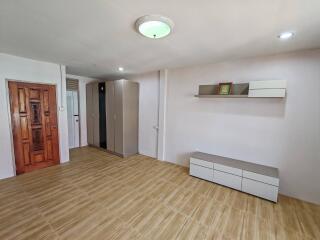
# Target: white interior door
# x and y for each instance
(73, 119)
(148, 114)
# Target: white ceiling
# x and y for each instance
(95, 37)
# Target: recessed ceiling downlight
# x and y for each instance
(154, 26)
(286, 35)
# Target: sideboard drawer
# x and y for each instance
(227, 179)
(260, 189)
(201, 172)
(261, 178)
(201, 163)
(227, 169)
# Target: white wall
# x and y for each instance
(83, 81)
(27, 70)
(148, 112)
(280, 133)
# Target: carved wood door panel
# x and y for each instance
(34, 125)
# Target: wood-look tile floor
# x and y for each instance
(101, 196)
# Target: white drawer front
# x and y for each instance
(223, 168)
(227, 179)
(201, 163)
(201, 172)
(260, 189)
(277, 92)
(261, 178)
(267, 84)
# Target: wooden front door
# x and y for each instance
(34, 125)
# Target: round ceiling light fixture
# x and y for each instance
(154, 26)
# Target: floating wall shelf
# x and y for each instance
(253, 89)
(221, 96)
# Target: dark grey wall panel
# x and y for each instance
(95, 109)
(89, 114)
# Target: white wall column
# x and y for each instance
(63, 116)
(162, 114)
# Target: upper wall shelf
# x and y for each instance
(253, 89)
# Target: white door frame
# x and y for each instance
(73, 118)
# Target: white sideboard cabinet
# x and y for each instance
(255, 179)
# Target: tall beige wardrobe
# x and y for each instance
(122, 116)
(122, 110)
